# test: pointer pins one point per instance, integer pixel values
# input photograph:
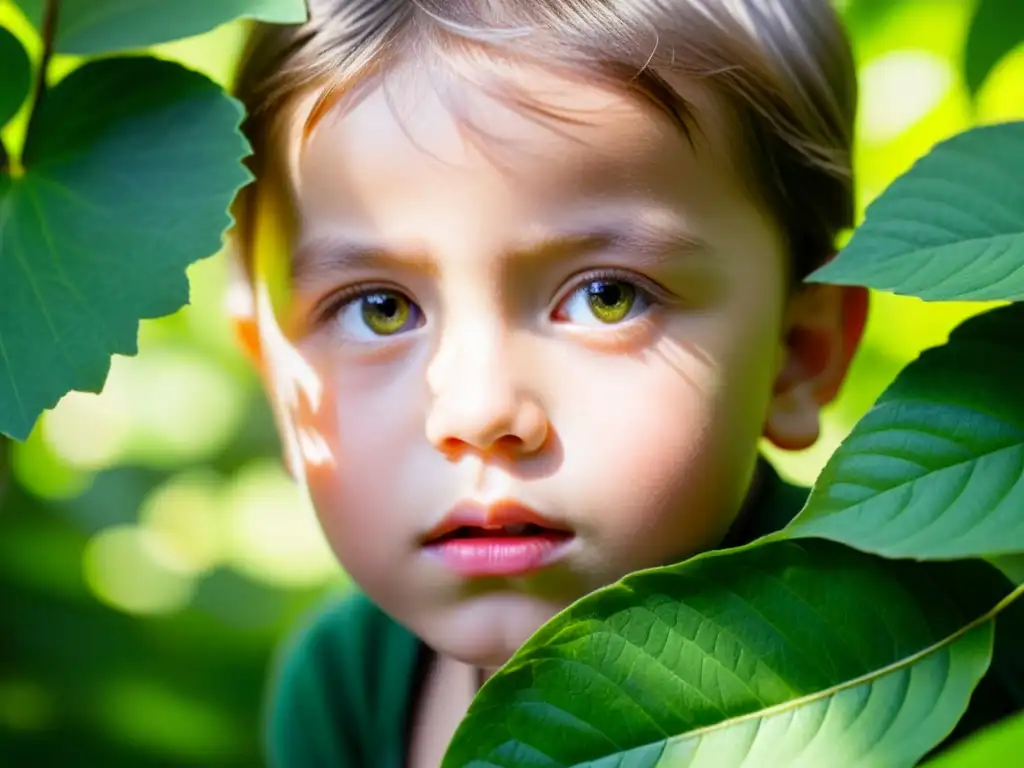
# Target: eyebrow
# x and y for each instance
(655, 239)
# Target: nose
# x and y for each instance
(479, 402)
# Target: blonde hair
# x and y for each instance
(782, 68)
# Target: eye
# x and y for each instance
(603, 301)
(373, 314)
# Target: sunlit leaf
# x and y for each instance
(935, 470)
(998, 745)
(996, 29)
(795, 654)
(16, 79)
(130, 171)
(100, 26)
(877, 721)
(950, 228)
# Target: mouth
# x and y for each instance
(506, 539)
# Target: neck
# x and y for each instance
(481, 676)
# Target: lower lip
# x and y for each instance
(500, 556)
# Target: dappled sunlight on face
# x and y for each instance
(588, 328)
(681, 357)
(296, 390)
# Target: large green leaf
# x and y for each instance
(999, 745)
(887, 719)
(130, 170)
(17, 76)
(100, 26)
(996, 29)
(952, 227)
(935, 470)
(798, 649)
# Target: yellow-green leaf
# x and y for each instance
(997, 746)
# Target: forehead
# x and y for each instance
(536, 139)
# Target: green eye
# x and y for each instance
(611, 301)
(386, 312)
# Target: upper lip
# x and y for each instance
(470, 514)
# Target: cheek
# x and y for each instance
(371, 420)
(667, 463)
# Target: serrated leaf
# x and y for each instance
(88, 27)
(130, 170)
(647, 668)
(16, 80)
(1001, 744)
(997, 27)
(935, 470)
(951, 228)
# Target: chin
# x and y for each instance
(486, 630)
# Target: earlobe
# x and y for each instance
(824, 327)
(794, 422)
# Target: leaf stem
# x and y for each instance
(48, 33)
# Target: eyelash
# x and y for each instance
(336, 302)
(653, 294)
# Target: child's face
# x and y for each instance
(585, 320)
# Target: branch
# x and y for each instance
(48, 32)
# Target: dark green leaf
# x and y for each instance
(100, 26)
(130, 171)
(935, 470)
(996, 29)
(999, 745)
(16, 80)
(950, 228)
(783, 653)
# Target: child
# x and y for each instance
(527, 295)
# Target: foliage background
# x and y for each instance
(152, 551)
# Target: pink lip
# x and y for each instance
(502, 554)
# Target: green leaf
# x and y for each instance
(786, 653)
(935, 470)
(17, 76)
(997, 27)
(879, 721)
(87, 27)
(130, 170)
(951, 228)
(999, 745)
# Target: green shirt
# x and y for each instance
(342, 696)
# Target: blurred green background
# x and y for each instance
(153, 552)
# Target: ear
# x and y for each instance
(823, 328)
